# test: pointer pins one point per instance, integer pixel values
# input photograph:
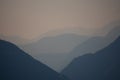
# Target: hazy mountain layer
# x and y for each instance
(54, 51)
(103, 65)
(96, 43)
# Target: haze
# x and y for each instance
(33, 19)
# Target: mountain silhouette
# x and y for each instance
(63, 43)
(103, 65)
(53, 51)
(15, 64)
(96, 43)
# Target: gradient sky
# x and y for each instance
(31, 19)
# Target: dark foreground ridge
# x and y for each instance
(15, 64)
(103, 65)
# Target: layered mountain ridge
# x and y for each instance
(103, 65)
(15, 64)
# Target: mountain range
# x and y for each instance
(58, 51)
(58, 44)
(54, 51)
(102, 65)
(15, 64)
(96, 43)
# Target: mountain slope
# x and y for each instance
(48, 49)
(97, 43)
(103, 65)
(57, 44)
(17, 65)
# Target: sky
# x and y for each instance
(33, 19)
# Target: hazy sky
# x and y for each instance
(31, 19)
